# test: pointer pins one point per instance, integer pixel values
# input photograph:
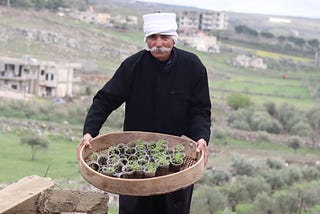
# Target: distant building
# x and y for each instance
(106, 19)
(41, 78)
(279, 20)
(103, 18)
(201, 41)
(189, 21)
(245, 61)
(212, 20)
(194, 20)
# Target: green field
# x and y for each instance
(58, 162)
(260, 85)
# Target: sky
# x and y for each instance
(300, 8)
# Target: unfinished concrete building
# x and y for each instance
(210, 20)
(192, 21)
(42, 78)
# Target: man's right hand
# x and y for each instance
(84, 142)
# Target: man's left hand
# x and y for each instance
(202, 146)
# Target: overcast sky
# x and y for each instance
(302, 8)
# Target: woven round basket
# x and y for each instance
(191, 171)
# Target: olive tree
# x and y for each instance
(240, 119)
(293, 142)
(241, 166)
(274, 178)
(254, 186)
(293, 121)
(286, 203)
(264, 203)
(208, 199)
(314, 120)
(262, 121)
(35, 143)
(236, 194)
(218, 177)
(238, 100)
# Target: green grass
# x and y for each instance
(270, 147)
(59, 159)
(112, 210)
(257, 87)
(303, 104)
(273, 55)
(260, 85)
(257, 151)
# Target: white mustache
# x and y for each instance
(161, 49)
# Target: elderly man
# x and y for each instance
(165, 90)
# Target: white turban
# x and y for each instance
(160, 23)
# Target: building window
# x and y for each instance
(9, 67)
(42, 72)
(47, 76)
(52, 76)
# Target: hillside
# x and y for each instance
(297, 26)
(47, 36)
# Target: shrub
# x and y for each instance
(311, 173)
(241, 166)
(313, 116)
(263, 203)
(219, 133)
(309, 193)
(240, 119)
(240, 124)
(218, 177)
(238, 100)
(293, 142)
(291, 175)
(255, 185)
(286, 203)
(271, 108)
(289, 116)
(263, 136)
(301, 129)
(274, 164)
(274, 178)
(208, 199)
(262, 121)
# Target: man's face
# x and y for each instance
(160, 46)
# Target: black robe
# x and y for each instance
(166, 97)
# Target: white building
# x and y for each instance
(41, 78)
(192, 21)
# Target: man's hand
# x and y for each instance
(202, 146)
(84, 142)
